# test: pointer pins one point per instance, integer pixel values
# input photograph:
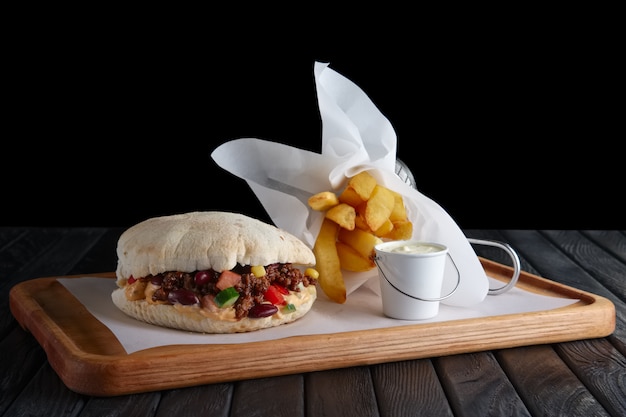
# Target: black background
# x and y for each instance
(512, 133)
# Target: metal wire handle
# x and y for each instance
(405, 174)
(458, 281)
(516, 263)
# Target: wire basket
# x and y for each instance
(405, 174)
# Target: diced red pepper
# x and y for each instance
(131, 279)
(282, 289)
(228, 279)
(274, 294)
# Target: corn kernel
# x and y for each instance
(258, 271)
(312, 273)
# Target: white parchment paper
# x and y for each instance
(362, 311)
(356, 137)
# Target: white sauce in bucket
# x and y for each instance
(416, 248)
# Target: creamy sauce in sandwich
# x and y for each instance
(295, 298)
(135, 291)
(149, 291)
(222, 314)
(146, 290)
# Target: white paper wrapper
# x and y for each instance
(362, 311)
(355, 137)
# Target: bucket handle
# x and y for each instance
(511, 252)
(458, 281)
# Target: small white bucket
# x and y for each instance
(411, 278)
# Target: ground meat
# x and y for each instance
(287, 276)
(250, 289)
(173, 280)
(159, 295)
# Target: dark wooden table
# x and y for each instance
(575, 378)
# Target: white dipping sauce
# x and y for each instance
(416, 248)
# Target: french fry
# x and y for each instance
(343, 214)
(361, 241)
(323, 201)
(351, 260)
(359, 221)
(399, 211)
(350, 196)
(363, 215)
(363, 184)
(327, 262)
(384, 229)
(378, 207)
(402, 230)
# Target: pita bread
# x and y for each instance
(201, 240)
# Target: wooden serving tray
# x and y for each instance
(90, 360)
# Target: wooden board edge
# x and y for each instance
(110, 375)
(299, 354)
(535, 283)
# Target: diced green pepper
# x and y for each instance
(289, 308)
(226, 297)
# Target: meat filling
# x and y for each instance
(251, 288)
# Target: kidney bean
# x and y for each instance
(182, 296)
(202, 277)
(262, 310)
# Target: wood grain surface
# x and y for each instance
(491, 382)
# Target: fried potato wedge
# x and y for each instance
(399, 211)
(323, 201)
(350, 196)
(379, 207)
(343, 214)
(402, 230)
(386, 228)
(363, 184)
(327, 262)
(359, 221)
(360, 240)
(351, 260)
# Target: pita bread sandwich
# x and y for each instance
(213, 272)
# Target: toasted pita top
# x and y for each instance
(202, 240)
